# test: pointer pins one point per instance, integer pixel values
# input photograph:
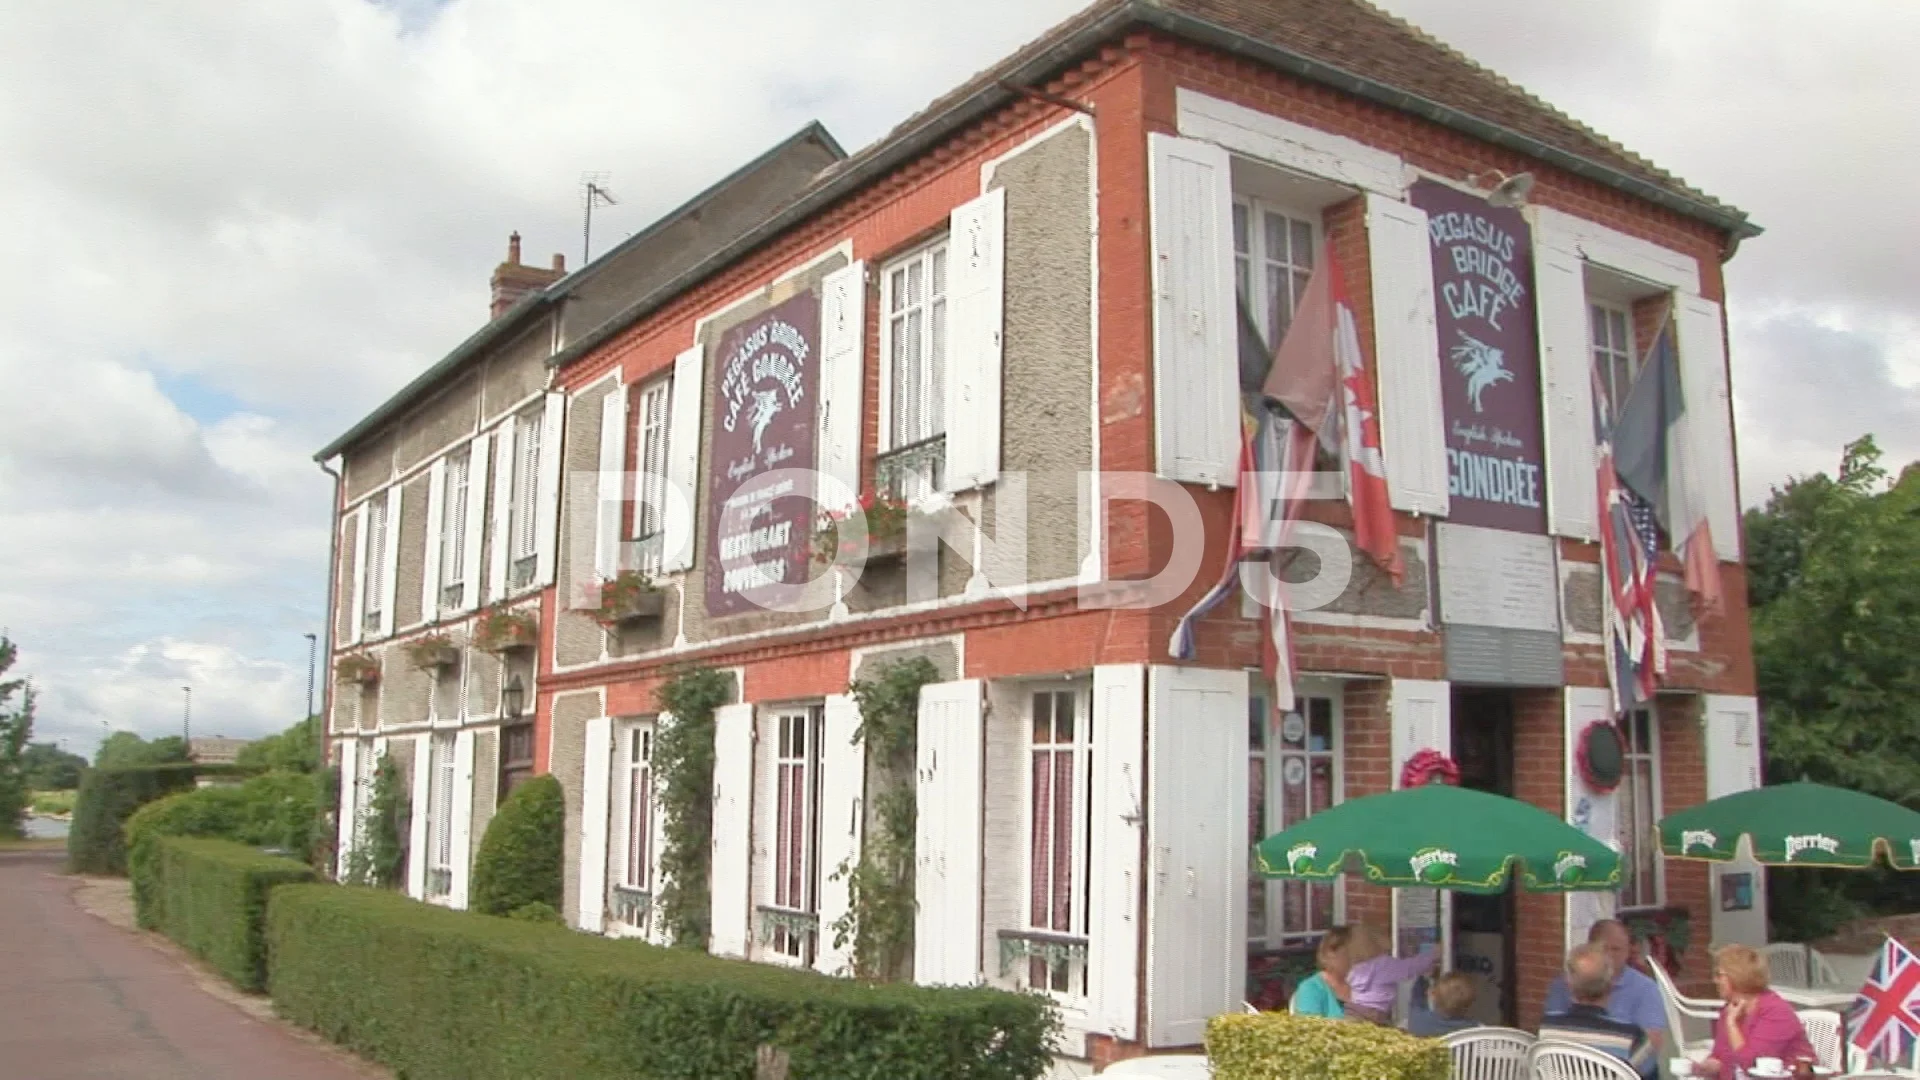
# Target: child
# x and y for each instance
(1445, 1009)
(1322, 993)
(1374, 980)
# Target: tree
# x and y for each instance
(124, 748)
(16, 726)
(293, 750)
(49, 768)
(1835, 587)
(522, 856)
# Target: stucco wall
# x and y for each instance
(438, 423)
(410, 571)
(486, 783)
(567, 764)
(515, 371)
(577, 637)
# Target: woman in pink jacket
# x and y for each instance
(1756, 1023)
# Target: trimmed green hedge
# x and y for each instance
(435, 993)
(1245, 1046)
(210, 896)
(521, 856)
(274, 810)
(95, 844)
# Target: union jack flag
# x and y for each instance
(1629, 553)
(1886, 1016)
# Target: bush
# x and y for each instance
(52, 802)
(434, 993)
(95, 844)
(213, 901)
(1243, 1046)
(521, 856)
(275, 810)
(538, 911)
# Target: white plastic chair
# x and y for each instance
(1551, 1059)
(1823, 1031)
(1490, 1053)
(1786, 964)
(1681, 1009)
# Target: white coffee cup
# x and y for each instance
(1770, 1066)
(1681, 1067)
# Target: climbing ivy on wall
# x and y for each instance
(683, 767)
(877, 929)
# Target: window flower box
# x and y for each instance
(358, 669)
(435, 652)
(629, 597)
(886, 519)
(502, 630)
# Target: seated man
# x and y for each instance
(1634, 997)
(1443, 1008)
(1586, 1021)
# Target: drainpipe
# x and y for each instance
(326, 636)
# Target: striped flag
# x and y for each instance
(1654, 458)
(1629, 548)
(1885, 1018)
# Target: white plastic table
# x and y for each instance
(1165, 1067)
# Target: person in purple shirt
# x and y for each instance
(1374, 980)
(1634, 999)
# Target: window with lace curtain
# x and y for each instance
(651, 415)
(1061, 752)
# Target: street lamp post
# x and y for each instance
(186, 717)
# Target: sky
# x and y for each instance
(232, 229)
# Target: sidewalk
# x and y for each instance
(81, 998)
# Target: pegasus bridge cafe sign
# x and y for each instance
(765, 404)
(1489, 357)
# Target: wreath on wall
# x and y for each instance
(1600, 755)
(1429, 767)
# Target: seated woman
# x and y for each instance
(1756, 1022)
(1445, 1007)
(1324, 993)
(1374, 979)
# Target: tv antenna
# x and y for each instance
(593, 192)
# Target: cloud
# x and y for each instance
(235, 228)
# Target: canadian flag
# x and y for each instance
(1321, 375)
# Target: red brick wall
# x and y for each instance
(1683, 783)
(1539, 777)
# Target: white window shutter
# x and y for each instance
(843, 775)
(595, 806)
(1566, 364)
(683, 461)
(502, 539)
(1709, 417)
(1590, 810)
(1407, 340)
(1196, 372)
(461, 826)
(1113, 878)
(976, 272)
(358, 602)
(390, 577)
(946, 879)
(1197, 839)
(349, 833)
(417, 854)
(613, 470)
(436, 510)
(728, 874)
(843, 377)
(766, 815)
(1421, 711)
(476, 523)
(546, 507)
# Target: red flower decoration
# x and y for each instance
(1428, 767)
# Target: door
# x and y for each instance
(1483, 925)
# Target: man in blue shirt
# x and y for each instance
(1586, 1022)
(1634, 999)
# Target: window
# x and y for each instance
(914, 341)
(1638, 808)
(439, 815)
(1613, 356)
(1057, 839)
(516, 757)
(526, 488)
(1273, 258)
(795, 838)
(453, 531)
(376, 554)
(650, 497)
(1293, 773)
(632, 899)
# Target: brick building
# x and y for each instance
(1021, 305)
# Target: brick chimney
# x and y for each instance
(513, 279)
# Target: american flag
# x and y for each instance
(1886, 1016)
(1629, 548)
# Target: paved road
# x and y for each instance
(83, 1000)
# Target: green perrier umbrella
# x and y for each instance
(1442, 837)
(1800, 824)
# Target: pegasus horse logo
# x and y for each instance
(1482, 364)
(766, 406)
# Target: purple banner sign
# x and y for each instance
(766, 381)
(1489, 359)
